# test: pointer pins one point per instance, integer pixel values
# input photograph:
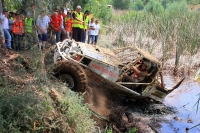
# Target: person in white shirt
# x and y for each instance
(42, 25)
(91, 31)
(65, 7)
(5, 25)
(97, 31)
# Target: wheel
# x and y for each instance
(72, 74)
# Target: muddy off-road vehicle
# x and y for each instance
(77, 63)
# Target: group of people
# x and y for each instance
(74, 25)
(61, 24)
(14, 27)
(68, 24)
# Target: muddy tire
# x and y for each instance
(72, 74)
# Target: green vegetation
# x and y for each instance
(137, 5)
(31, 107)
(154, 7)
(99, 10)
(22, 111)
(173, 29)
(121, 4)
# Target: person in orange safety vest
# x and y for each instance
(18, 31)
(68, 25)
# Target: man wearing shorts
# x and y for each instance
(42, 25)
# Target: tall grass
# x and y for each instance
(177, 31)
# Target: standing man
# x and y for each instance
(5, 26)
(97, 31)
(42, 25)
(77, 24)
(10, 20)
(28, 23)
(18, 31)
(56, 24)
(61, 12)
(85, 25)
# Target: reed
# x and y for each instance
(177, 32)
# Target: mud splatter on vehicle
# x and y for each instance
(107, 67)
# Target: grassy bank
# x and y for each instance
(32, 101)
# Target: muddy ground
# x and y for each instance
(111, 109)
(122, 114)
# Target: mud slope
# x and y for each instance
(113, 110)
(116, 112)
(123, 115)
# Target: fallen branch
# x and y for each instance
(19, 80)
(186, 104)
(197, 103)
(187, 129)
(116, 128)
(11, 57)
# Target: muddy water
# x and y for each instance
(183, 99)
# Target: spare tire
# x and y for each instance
(72, 74)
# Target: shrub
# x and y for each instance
(180, 6)
(154, 7)
(137, 5)
(121, 4)
(100, 11)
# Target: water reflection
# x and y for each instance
(183, 99)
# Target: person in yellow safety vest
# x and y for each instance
(85, 25)
(77, 24)
(28, 22)
(18, 31)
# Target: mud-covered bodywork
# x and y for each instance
(104, 67)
